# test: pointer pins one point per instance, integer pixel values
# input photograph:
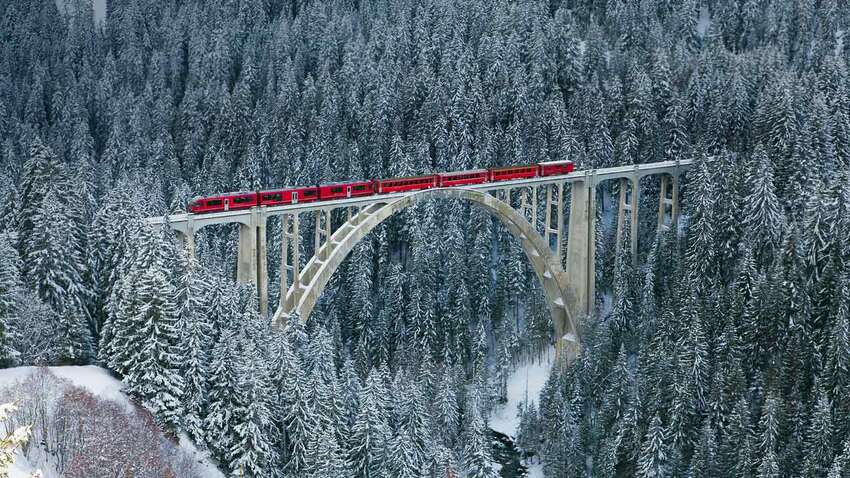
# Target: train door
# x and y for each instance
(295, 197)
(348, 191)
(226, 204)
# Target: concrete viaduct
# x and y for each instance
(569, 286)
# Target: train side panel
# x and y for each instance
(555, 168)
(513, 172)
(345, 190)
(462, 178)
(385, 186)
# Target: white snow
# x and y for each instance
(21, 468)
(100, 383)
(525, 383)
(703, 21)
(535, 471)
(204, 466)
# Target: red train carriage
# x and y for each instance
(513, 172)
(462, 178)
(279, 197)
(555, 168)
(345, 190)
(229, 202)
(384, 186)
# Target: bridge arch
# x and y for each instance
(301, 297)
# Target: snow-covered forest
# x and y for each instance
(726, 352)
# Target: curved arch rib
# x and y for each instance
(319, 269)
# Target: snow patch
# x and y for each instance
(535, 471)
(703, 21)
(525, 383)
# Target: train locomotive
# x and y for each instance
(326, 192)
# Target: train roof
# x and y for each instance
(559, 161)
(458, 173)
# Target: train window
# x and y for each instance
(272, 197)
(310, 192)
(337, 189)
(360, 187)
(242, 200)
(214, 202)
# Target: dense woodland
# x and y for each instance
(725, 353)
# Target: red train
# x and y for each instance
(325, 192)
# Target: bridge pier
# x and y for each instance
(581, 246)
(251, 261)
(629, 205)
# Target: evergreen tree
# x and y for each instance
(653, 452)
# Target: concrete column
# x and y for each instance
(290, 260)
(262, 262)
(634, 210)
(674, 202)
(186, 240)
(662, 202)
(581, 246)
(622, 208)
(246, 265)
(560, 218)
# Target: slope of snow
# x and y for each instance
(525, 382)
(535, 471)
(100, 383)
(21, 468)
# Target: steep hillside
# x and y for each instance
(83, 425)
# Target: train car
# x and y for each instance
(345, 190)
(227, 202)
(462, 178)
(555, 168)
(513, 172)
(279, 197)
(384, 186)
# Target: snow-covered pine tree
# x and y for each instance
(763, 215)
(653, 454)
(371, 432)
(152, 367)
(477, 460)
(10, 288)
(252, 454)
(219, 425)
(196, 340)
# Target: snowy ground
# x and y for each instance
(97, 381)
(525, 383)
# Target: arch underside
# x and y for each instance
(302, 295)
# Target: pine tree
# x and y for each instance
(819, 448)
(653, 452)
(152, 367)
(10, 287)
(252, 454)
(476, 451)
(762, 211)
(223, 382)
(371, 433)
(196, 339)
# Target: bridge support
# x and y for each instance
(629, 195)
(669, 184)
(581, 247)
(251, 262)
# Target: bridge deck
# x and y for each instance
(181, 221)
